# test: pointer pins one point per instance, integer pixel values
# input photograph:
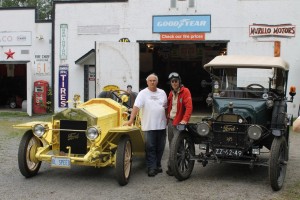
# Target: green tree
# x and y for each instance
(44, 7)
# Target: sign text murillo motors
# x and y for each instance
(284, 30)
(181, 24)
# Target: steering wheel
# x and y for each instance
(255, 84)
(250, 87)
(118, 95)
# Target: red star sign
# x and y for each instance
(10, 54)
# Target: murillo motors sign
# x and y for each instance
(284, 30)
(181, 24)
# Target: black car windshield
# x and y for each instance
(246, 82)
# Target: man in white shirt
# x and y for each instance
(152, 102)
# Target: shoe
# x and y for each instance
(151, 172)
(159, 170)
(169, 172)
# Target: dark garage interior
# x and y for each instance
(12, 85)
(187, 59)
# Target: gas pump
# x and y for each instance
(40, 97)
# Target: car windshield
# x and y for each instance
(247, 82)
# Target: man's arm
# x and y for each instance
(134, 112)
(188, 103)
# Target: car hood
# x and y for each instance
(90, 113)
(244, 107)
(75, 114)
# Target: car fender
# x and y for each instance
(135, 134)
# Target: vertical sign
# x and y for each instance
(277, 49)
(63, 41)
(63, 86)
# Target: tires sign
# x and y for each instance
(63, 86)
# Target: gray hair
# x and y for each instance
(153, 74)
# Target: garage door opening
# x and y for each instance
(185, 58)
(12, 86)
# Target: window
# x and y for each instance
(173, 3)
(191, 3)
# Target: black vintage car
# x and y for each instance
(249, 115)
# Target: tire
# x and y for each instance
(287, 136)
(278, 163)
(123, 160)
(12, 104)
(279, 115)
(182, 148)
(28, 165)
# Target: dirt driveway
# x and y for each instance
(215, 181)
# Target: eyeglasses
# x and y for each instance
(174, 81)
(173, 75)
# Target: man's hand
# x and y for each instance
(129, 123)
(132, 116)
(183, 122)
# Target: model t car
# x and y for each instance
(90, 134)
(249, 115)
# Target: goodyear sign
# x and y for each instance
(181, 24)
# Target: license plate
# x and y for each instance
(228, 152)
(60, 162)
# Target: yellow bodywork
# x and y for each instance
(105, 114)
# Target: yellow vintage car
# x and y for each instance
(90, 134)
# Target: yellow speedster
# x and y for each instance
(91, 134)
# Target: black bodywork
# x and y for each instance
(247, 118)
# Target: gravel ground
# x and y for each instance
(215, 181)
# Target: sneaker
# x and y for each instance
(159, 170)
(151, 172)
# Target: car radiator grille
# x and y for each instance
(74, 137)
(229, 135)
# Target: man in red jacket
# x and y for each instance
(179, 109)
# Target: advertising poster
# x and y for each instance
(63, 86)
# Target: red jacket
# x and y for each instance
(184, 105)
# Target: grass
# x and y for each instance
(13, 114)
(8, 119)
(23, 115)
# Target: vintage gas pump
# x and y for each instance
(40, 97)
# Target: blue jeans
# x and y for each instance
(155, 145)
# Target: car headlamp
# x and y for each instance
(203, 128)
(38, 130)
(254, 132)
(269, 103)
(92, 133)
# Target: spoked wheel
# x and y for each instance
(278, 162)
(123, 160)
(182, 148)
(28, 164)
